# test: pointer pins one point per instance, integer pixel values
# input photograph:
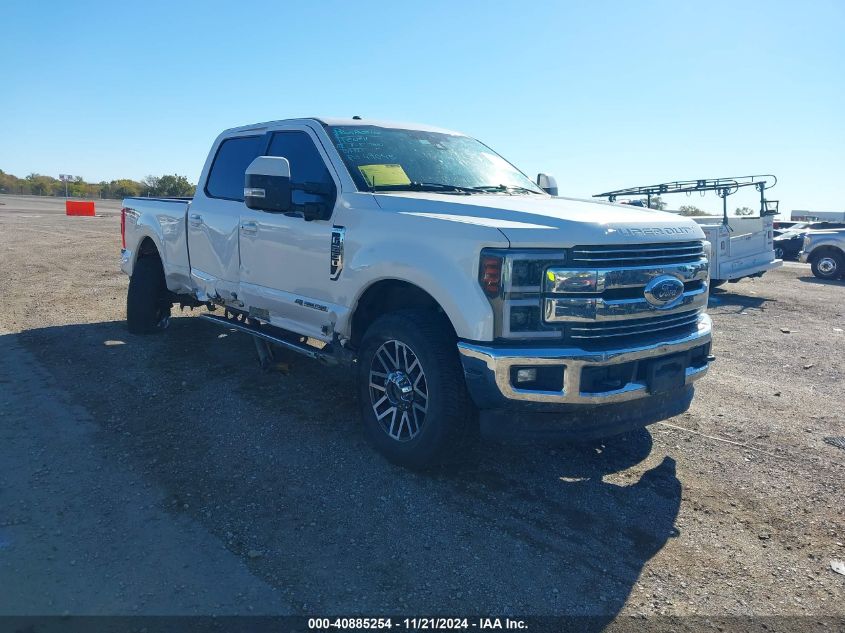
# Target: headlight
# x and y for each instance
(490, 274)
(513, 281)
(528, 272)
(502, 271)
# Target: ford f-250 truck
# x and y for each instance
(448, 280)
(825, 252)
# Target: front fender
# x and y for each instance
(449, 277)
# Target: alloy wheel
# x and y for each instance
(398, 390)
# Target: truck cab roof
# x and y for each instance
(337, 121)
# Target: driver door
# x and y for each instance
(284, 259)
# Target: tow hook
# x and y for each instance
(711, 358)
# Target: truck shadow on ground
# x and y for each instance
(278, 468)
(822, 282)
(728, 298)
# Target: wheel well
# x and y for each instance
(825, 250)
(387, 296)
(147, 248)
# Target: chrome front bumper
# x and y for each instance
(488, 369)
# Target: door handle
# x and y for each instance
(249, 227)
(195, 219)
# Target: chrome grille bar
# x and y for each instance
(641, 327)
(569, 280)
(590, 309)
(632, 255)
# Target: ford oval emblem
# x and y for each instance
(663, 290)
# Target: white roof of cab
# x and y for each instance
(348, 121)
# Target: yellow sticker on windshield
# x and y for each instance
(384, 175)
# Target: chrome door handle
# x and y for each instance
(249, 227)
(195, 219)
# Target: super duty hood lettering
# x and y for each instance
(545, 222)
(656, 230)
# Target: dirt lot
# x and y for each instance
(168, 474)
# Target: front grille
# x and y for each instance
(611, 256)
(668, 324)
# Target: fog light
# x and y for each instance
(526, 375)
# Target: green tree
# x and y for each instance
(150, 186)
(168, 185)
(744, 211)
(77, 188)
(656, 203)
(690, 210)
(124, 188)
(40, 185)
(9, 183)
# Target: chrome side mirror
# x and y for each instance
(547, 183)
(267, 184)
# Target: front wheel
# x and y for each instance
(414, 402)
(828, 266)
(779, 253)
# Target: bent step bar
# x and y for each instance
(325, 355)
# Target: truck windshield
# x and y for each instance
(389, 159)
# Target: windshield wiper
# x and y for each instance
(439, 186)
(426, 186)
(506, 189)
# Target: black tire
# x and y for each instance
(147, 306)
(779, 254)
(443, 428)
(829, 265)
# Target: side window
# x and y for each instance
(226, 178)
(306, 164)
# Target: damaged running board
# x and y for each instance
(326, 355)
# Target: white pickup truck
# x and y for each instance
(456, 288)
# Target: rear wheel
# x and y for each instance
(830, 265)
(414, 403)
(147, 306)
(779, 253)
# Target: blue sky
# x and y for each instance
(603, 94)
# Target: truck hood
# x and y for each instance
(546, 222)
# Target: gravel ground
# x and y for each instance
(168, 474)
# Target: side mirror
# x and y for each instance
(547, 183)
(267, 184)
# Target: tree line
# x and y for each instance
(41, 185)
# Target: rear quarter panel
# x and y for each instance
(164, 222)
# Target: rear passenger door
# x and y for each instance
(285, 261)
(214, 217)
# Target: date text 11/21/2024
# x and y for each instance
(418, 624)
